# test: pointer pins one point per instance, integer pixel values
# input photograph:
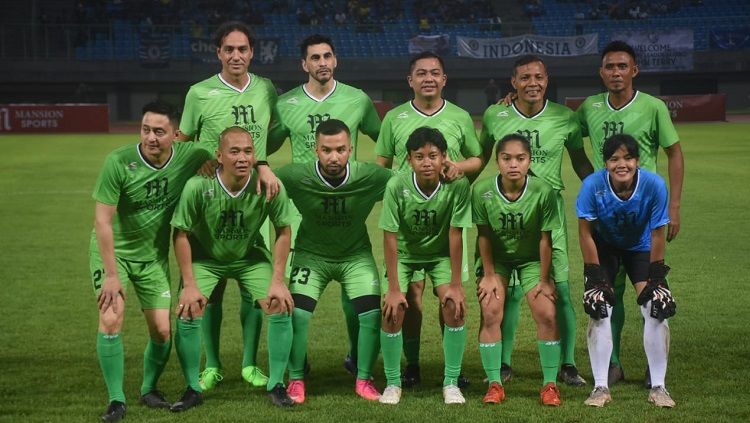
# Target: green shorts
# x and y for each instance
(439, 272)
(560, 270)
(150, 279)
(252, 273)
(419, 275)
(527, 274)
(358, 276)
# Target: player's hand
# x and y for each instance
(488, 287)
(208, 169)
(451, 171)
(111, 288)
(190, 304)
(455, 293)
(279, 292)
(673, 227)
(392, 301)
(546, 289)
(508, 99)
(268, 180)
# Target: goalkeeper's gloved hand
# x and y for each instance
(598, 292)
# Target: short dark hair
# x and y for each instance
(619, 45)
(312, 40)
(161, 107)
(525, 60)
(426, 135)
(224, 29)
(332, 127)
(614, 142)
(425, 55)
(512, 137)
(234, 129)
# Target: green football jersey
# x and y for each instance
(300, 114)
(644, 117)
(223, 226)
(213, 105)
(550, 131)
(422, 222)
(333, 218)
(145, 197)
(452, 121)
(517, 225)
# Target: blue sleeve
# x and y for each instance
(586, 201)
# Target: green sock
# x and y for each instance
(566, 319)
(549, 357)
(352, 324)
(391, 344)
(252, 325)
(368, 345)
(491, 353)
(187, 341)
(411, 350)
(454, 342)
(618, 318)
(211, 328)
(280, 334)
(511, 318)
(300, 325)
(111, 355)
(154, 360)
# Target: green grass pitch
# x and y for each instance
(49, 370)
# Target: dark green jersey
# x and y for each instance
(145, 197)
(452, 121)
(214, 105)
(517, 225)
(644, 117)
(550, 131)
(333, 218)
(223, 226)
(300, 114)
(422, 222)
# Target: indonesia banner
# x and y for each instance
(498, 48)
(660, 51)
(439, 44)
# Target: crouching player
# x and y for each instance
(622, 213)
(422, 222)
(217, 236)
(515, 214)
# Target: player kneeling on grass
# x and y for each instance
(623, 213)
(217, 223)
(422, 222)
(135, 195)
(515, 214)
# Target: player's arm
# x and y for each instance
(386, 162)
(267, 181)
(370, 124)
(545, 287)
(183, 137)
(581, 164)
(277, 134)
(191, 301)
(469, 167)
(112, 286)
(676, 171)
(586, 241)
(394, 298)
(278, 290)
(658, 241)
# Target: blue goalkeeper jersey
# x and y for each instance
(625, 224)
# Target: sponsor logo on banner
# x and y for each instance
(730, 39)
(154, 51)
(268, 50)
(439, 44)
(498, 48)
(67, 117)
(660, 51)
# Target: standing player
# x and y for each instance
(217, 224)
(622, 212)
(624, 110)
(551, 128)
(233, 97)
(301, 110)
(427, 79)
(135, 195)
(422, 221)
(335, 197)
(515, 216)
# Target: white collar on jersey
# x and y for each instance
(149, 164)
(520, 113)
(229, 193)
(437, 112)
(631, 101)
(322, 99)
(425, 196)
(635, 190)
(249, 80)
(500, 191)
(325, 181)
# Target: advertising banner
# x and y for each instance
(684, 108)
(54, 118)
(730, 39)
(660, 51)
(439, 44)
(498, 48)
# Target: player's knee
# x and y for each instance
(110, 323)
(449, 314)
(366, 303)
(275, 307)
(492, 314)
(546, 318)
(303, 302)
(162, 334)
